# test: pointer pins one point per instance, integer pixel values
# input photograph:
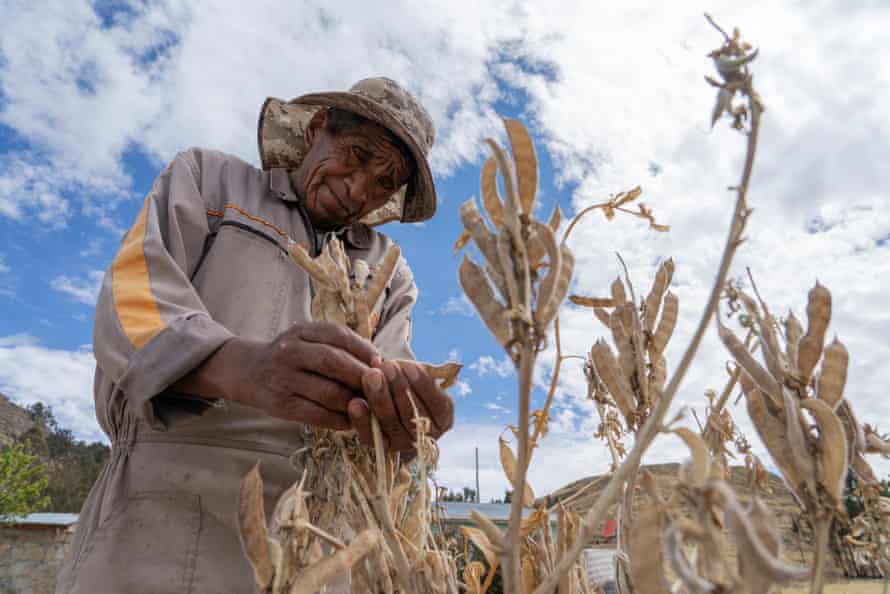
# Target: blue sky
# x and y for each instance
(95, 97)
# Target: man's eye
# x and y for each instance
(386, 183)
(359, 153)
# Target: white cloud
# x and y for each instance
(84, 290)
(487, 364)
(62, 379)
(463, 388)
(496, 408)
(459, 306)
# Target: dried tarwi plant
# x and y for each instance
(517, 292)
(798, 411)
(355, 514)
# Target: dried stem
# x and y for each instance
(653, 424)
(513, 538)
(822, 529)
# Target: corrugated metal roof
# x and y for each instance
(45, 520)
(460, 510)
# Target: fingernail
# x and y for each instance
(374, 380)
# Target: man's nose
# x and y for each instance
(357, 184)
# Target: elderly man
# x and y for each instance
(207, 358)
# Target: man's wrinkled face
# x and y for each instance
(346, 175)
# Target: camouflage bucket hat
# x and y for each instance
(381, 100)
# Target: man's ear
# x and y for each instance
(316, 125)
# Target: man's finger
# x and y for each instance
(324, 392)
(339, 336)
(436, 401)
(328, 361)
(380, 400)
(400, 388)
(297, 408)
(360, 417)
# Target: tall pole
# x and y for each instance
(478, 496)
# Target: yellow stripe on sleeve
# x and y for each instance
(131, 287)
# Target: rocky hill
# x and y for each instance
(15, 422)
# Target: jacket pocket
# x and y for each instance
(148, 545)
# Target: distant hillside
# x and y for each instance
(73, 464)
(16, 423)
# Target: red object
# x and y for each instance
(610, 528)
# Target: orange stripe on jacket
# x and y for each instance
(131, 287)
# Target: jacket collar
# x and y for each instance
(357, 235)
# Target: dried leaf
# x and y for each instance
(555, 219)
(480, 540)
(508, 462)
(253, 531)
(461, 242)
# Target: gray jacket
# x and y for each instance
(205, 261)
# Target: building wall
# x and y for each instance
(30, 557)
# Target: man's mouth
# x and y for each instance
(341, 204)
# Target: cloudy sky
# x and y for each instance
(95, 97)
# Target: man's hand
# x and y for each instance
(386, 388)
(309, 373)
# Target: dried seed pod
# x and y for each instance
(618, 294)
(252, 524)
(798, 442)
(701, 457)
(645, 552)
(566, 269)
(833, 374)
(626, 358)
(591, 301)
(658, 375)
(489, 189)
(659, 286)
(809, 349)
(492, 312)
(761, 376)
(484, 239)
(608, 371)
(314, 577)
(494, 534)
(793, 332)
(382, 276)
(666, 324)
(832, 447)
(758, 555)
(875, 444)
(772, 432)
(508, 462)
(555, 219)
(603, 316)
(480, 540)
(526, 163)
(863, 470)
(852, 428)
(554, 258)
(818, 311)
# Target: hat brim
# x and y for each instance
(280, 136)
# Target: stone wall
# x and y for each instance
(30, 557)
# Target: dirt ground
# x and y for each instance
(847, 587)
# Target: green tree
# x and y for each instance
(23, 482)
(73, 464)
